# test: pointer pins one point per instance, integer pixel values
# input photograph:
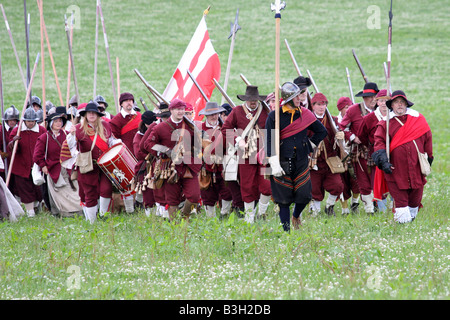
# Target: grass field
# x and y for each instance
(135, 257)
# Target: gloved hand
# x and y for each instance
(274, 162)
(381, 160)
(386, 167)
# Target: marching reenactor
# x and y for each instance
(172, 142)
(290, 177)
(35, 103)
(409, 135)
(363, 165)
(95, 135)
(30, 194)
(102, 105)
(10, 120)
(163, 114)
(124, 126)
(248, 119)
(303, 83)
(322, 178)
(145, 197)
(351, 188)
(63, 198)
(366, 131)
(212, 185)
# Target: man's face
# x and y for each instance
(127, 105)
(252, 104)
(213, 119)
(382, 106)
(344, 110)
(399, 106)
(303, 94)
(30, 124)
(319, 107)
(189, 114)
(272, 103)
(101, 107)
(370, 102)
(177, 113)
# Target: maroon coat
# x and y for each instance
(352, 120)
(52, 162)
(404, 158)
(213, 134)
(23, 161)
(328, 141)
(366, 131)
(117, 123)
(5, 143)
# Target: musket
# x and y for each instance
(75, 83)
(116, 102)
(234, 29)
(27, 96)
(360, 66)
(224, 94)
(350, 86)
(198, 86)
(151, 100)
(14, 47)
(249, 84)
(295, 64)
(143, 104)
(330, 119)
(389, 77)
(157, 95)
(51, 55)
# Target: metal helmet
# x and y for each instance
(99, 99)
(289, 91)
(36, 100)
(30, 115)
(73, 101)
(72, 111)
(40, 115)
(12, 113)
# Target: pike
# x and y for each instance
(335, 129)
(27, 96)
(108, 56)
(3, 113)
(69, 75)
(249, 84)
(277, 7)
(27, 40)
(224, 94)
(388, 73)
(151, 100)
(360, 67)
(198, 86)
(41, 19)
(386, 76)
(350, 85)
(96, 48)
(71, 57)
(40, 4)
(234, 29)
(13, 46)
(118, 78)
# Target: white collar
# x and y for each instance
(379, 115)
(339, 117)
(319, 117)
(177, 122)
(34, 129)
(124, 113)
(249, 109)
(208, 125)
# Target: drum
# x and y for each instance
(118, 164)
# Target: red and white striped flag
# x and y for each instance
(202, 61)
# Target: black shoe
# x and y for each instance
(354, 207)
(138, 205)
(330, 211)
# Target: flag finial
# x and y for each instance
(206, 11)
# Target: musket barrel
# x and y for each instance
(224, 94)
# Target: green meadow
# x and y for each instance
(353, 257)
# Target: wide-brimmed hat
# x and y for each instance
(343, 101)
(148, 117)
(251, 94)
(302, 82)
(60, 112)
(211, 108)
(162, 111)
(319, 97)
(370, 89)
(93, 107)
(227, 108)
(398, 94)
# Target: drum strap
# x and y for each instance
(101, 144)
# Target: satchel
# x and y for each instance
(425, 167)
(334, 163)
(37, 175)
(84, 159)
(204, 179)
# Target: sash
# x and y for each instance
(303, 122)
(413, 128)
(132, 124)
(100, 143)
